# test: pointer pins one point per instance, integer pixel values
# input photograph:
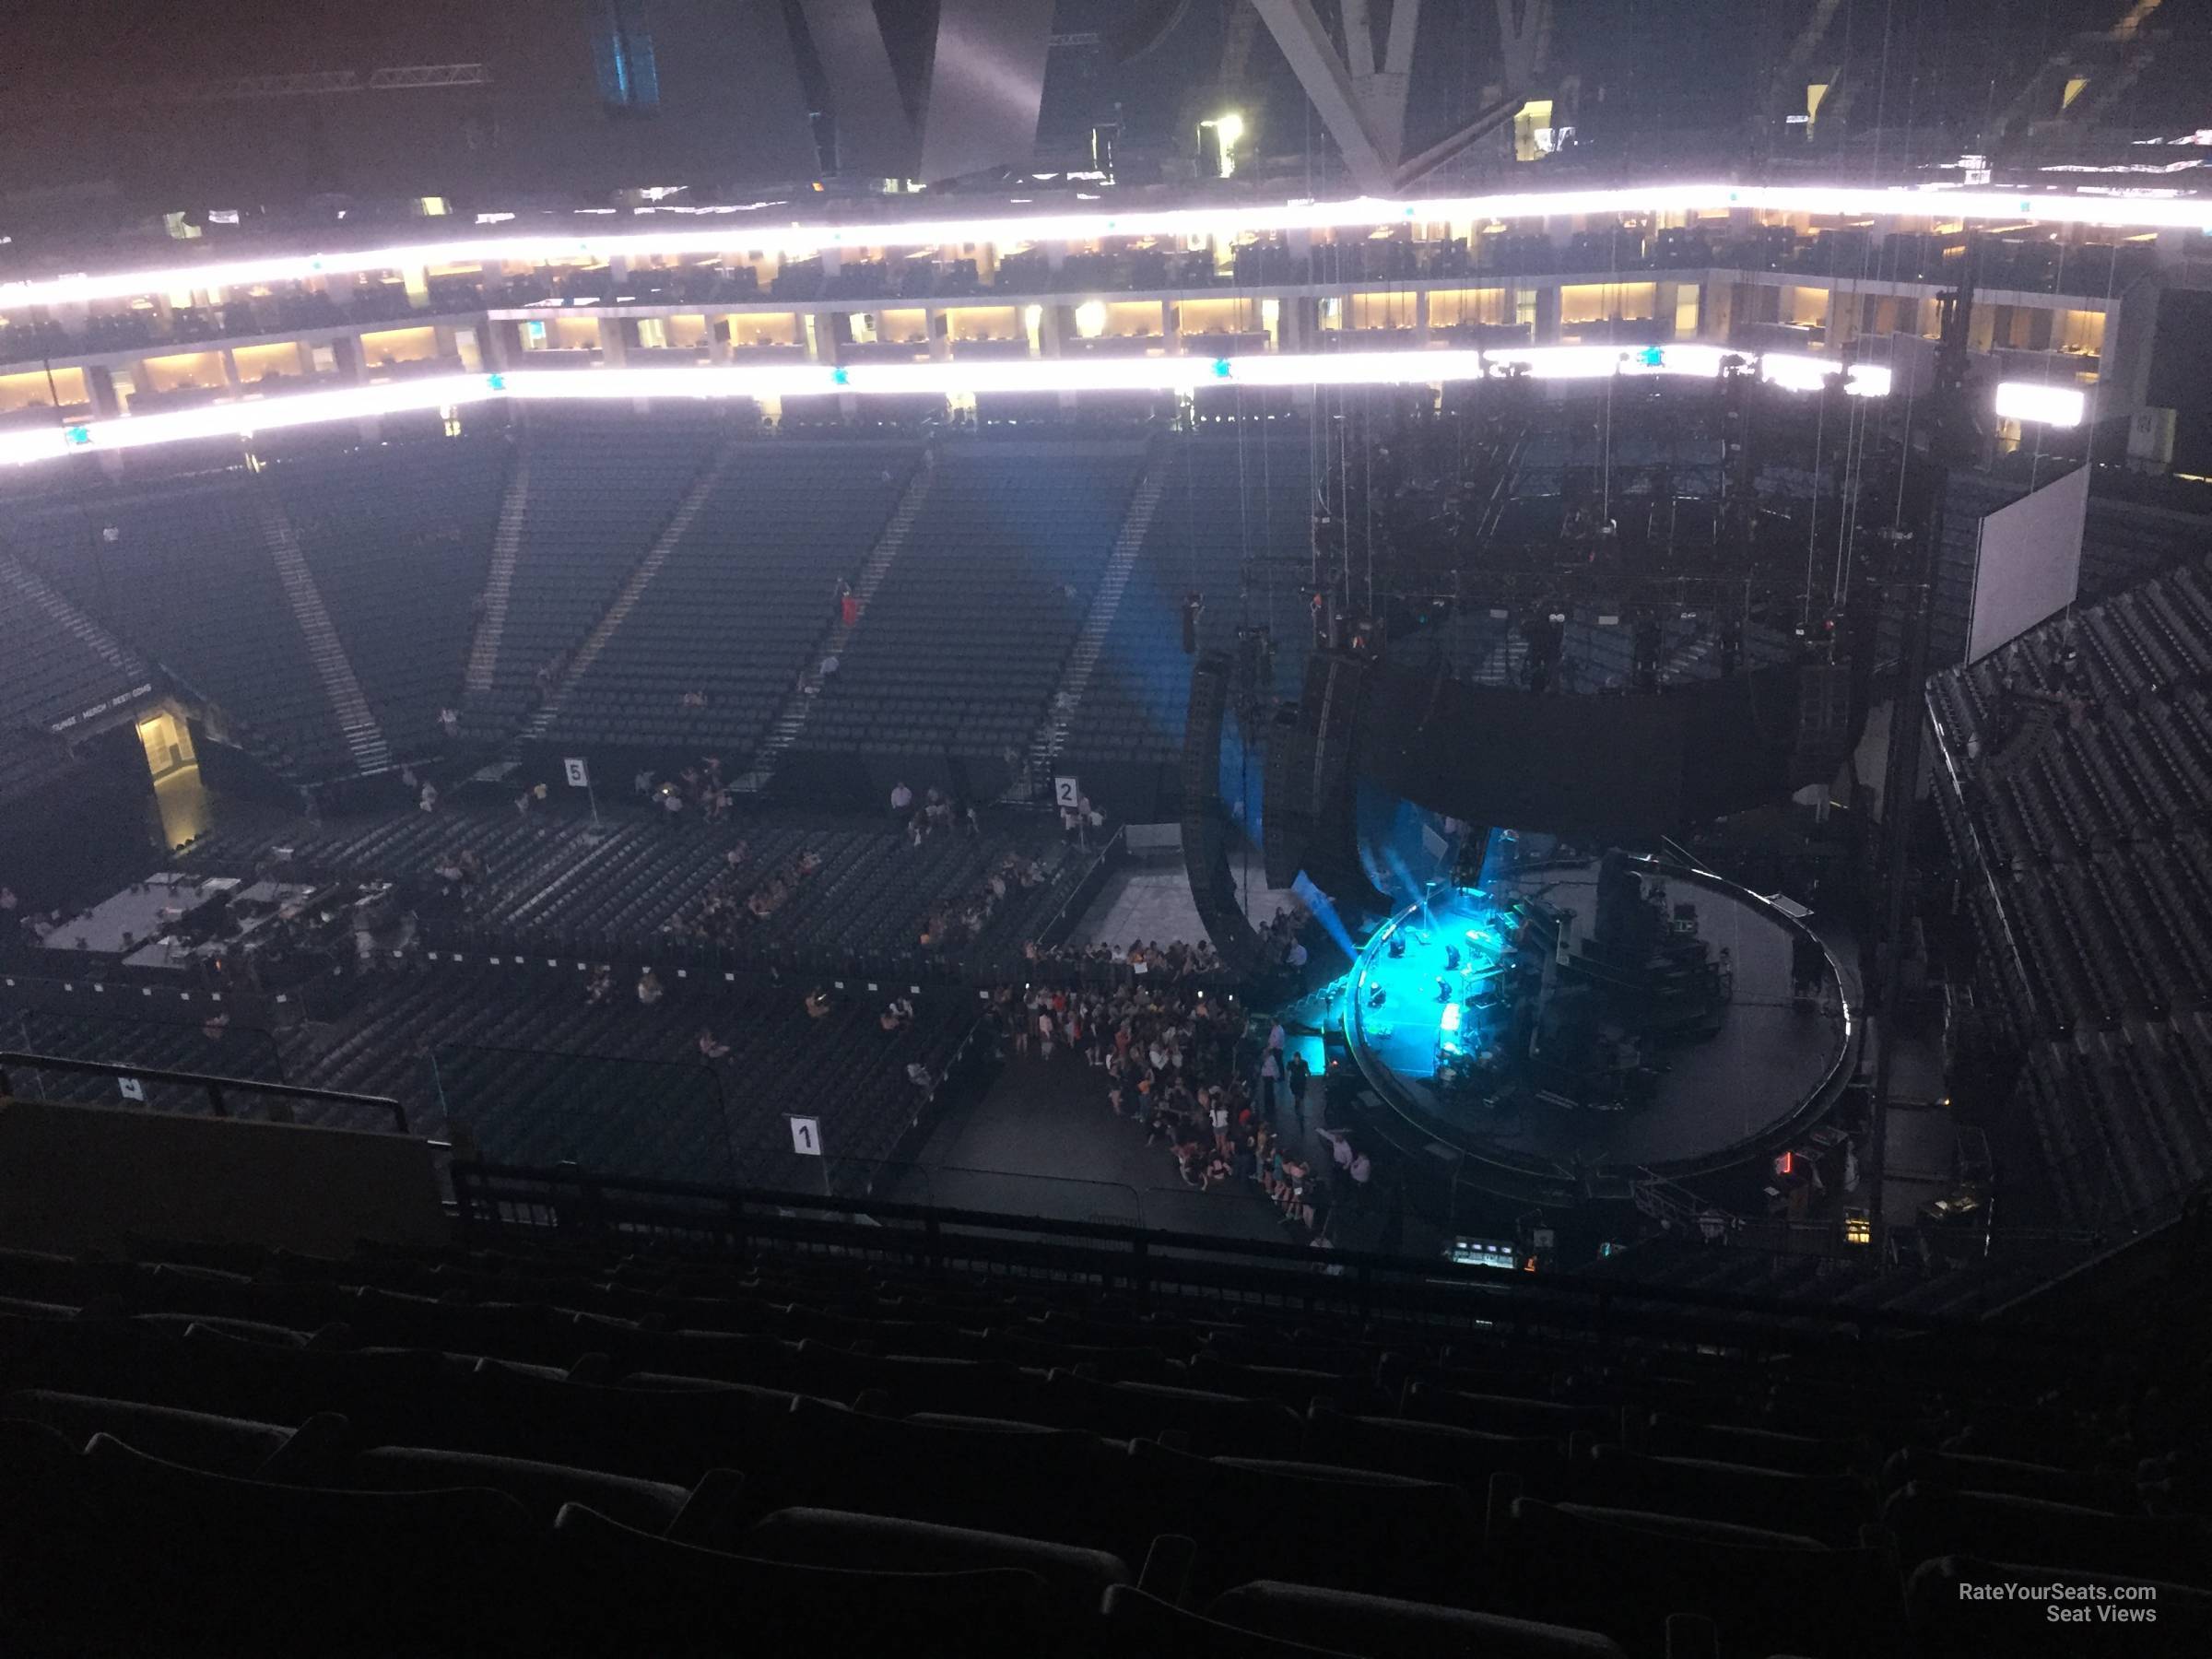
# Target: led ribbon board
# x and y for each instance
(1694, 360)
(737, 230)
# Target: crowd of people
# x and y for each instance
(1177, 961)
(935, 811)
(1284, 933)
(949, 927)
(1225, 1093)
(739, 897)
(699, 786)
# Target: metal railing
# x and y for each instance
(575, 1204)
(218, 1090)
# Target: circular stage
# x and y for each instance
(1514, 1024)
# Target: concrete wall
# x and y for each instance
(81, 1178)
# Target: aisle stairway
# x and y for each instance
(640, 578)
(792, 719)
(364, 737)
(1051, 737)
(507, 545)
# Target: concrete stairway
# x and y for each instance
(703, 486)
(499, 583)
(364, 737)
(1083, 657)
(791, 719)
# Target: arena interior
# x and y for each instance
(1194, 826)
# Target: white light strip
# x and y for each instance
(2043, 405)
(1156, 374)
(1801, 371)
(246, 416)
(2190, 213)
(1557, 362)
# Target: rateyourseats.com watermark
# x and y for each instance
(2073, 1604)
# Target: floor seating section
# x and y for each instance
(964, 641)
(518, 1059)
(397, 539)
(657, 1453)
(624, 1089)
(2077, 794)
(742, 605)
(1234, 524)
(180, 1043)
(634, 886)
(187, 578)
(601, 491)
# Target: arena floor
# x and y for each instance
(1052, 1116)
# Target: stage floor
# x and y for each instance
(136, 922)
(1715, 1094)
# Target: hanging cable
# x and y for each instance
(1368, 397)
(1812, 530)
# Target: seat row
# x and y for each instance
(542, 1075)
(1360, 1503)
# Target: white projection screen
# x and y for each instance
(2028, 563)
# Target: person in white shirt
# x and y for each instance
(1340, 1146)
(901, 798)
(649, 988)
(1341, 1155)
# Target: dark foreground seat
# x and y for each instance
(625, 1591)
(1932, 1522)
(1143, 1625)
(180, 1560)
(1625, 1573)
(542, 1487)
(1075, 1579)
(199, 1439)
(1387, 1628)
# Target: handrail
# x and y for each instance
(1375, 1279)
(214, 1085)
(1985, 873)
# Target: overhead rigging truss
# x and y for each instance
(1363, 103)
(314, 83)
